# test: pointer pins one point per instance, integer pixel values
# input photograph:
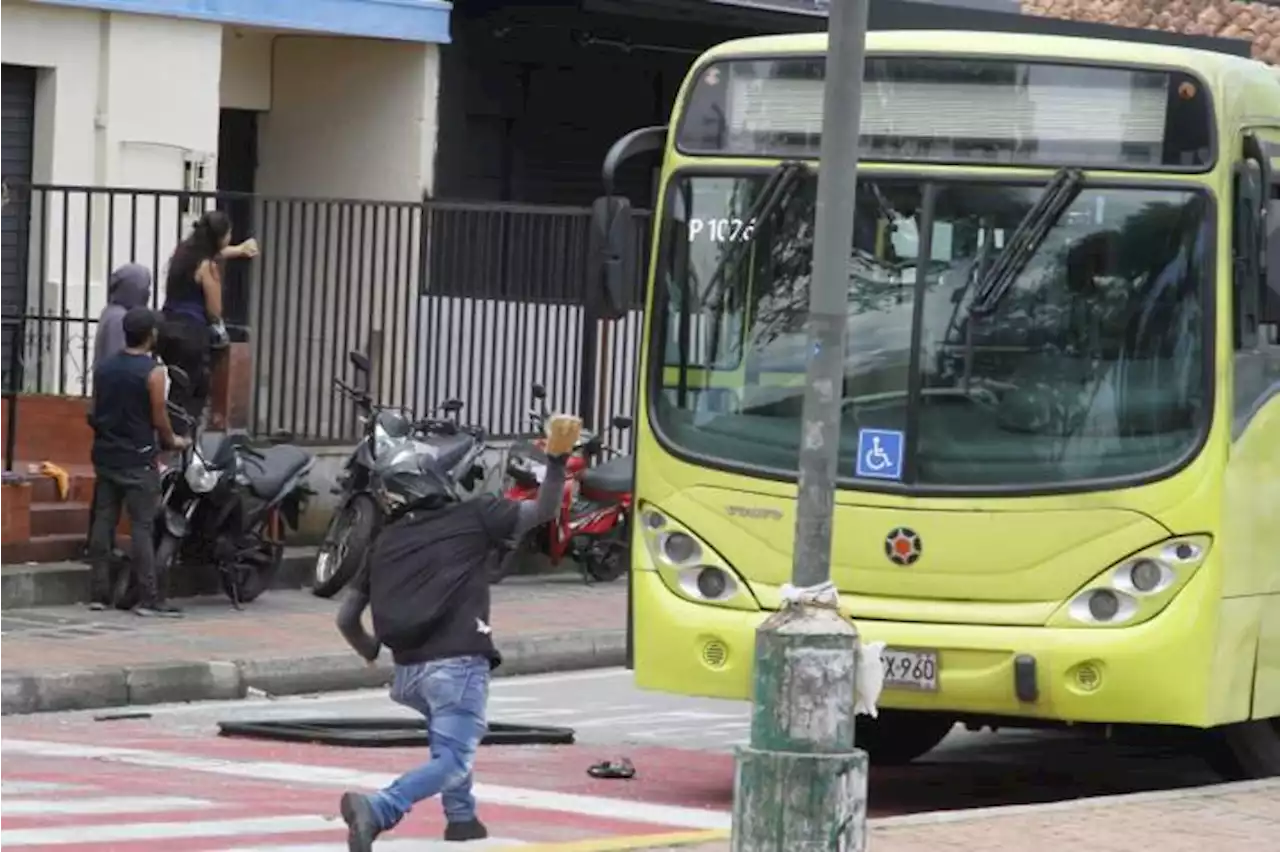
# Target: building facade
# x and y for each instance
(123, 120)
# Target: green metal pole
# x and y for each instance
(801, 785)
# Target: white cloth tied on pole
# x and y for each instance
(870, 679)
(870, 675)
(823, 594)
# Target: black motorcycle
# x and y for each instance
(382, 468)
(226, 504)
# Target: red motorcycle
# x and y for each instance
(594, 520)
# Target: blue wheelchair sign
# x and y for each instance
(879, 454)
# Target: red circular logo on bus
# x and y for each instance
(903, 546)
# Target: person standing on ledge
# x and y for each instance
(427, 584)
(128, 413)
(193, 324)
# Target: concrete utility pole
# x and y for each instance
(801, 786)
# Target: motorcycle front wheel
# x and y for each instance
(609, 558)
(345, 544)
(255, 574)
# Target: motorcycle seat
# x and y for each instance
(268, 474)
(449, 449)
(613, 477)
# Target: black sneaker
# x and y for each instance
(362, 825)
(157, 611)
(461, 831)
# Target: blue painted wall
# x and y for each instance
(404, 20)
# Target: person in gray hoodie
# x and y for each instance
(129, 287)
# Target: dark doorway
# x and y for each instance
(19, 110)
(237, 168)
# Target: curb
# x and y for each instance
(38, 584)
(163, 683)
(1205, 791)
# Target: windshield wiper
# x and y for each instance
(777, 189)
(1027, 238)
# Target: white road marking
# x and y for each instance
(415, 845)
(104, 805)
(165, 830)
(340, 777)
(654, 719)
(20, 788)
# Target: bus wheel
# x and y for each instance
(900, 736)
(1246, 749)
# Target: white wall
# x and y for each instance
(355, 119)
(120, 100)
(350, 118)
(66, 43)
(246, 68)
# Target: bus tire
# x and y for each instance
(1246, 750)
(896, 737)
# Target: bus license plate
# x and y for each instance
(910, 669)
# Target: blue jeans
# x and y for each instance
(452, 695)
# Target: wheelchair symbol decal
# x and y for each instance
(879, 454)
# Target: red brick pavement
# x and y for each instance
(279, 625)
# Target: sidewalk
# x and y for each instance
(65, 658)
(1223, 817)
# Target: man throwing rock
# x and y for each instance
(426, 583)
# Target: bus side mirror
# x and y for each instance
(610, 255)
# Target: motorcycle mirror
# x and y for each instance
(360, 361)
(451, 406)
(621, 422)
(539, 392)
(281, 436)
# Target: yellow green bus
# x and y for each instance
(1059, 493)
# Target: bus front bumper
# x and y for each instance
(1147, 673)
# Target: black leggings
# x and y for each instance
(185, 342)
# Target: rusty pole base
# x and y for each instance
(801, 786)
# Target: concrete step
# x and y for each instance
(66, 582)
(59, 519)
(46, 548)
(44, 489)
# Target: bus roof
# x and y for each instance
(1210, 64)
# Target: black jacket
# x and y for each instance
(426, 580)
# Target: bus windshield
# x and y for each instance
(1093, 365)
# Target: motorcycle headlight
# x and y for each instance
(199, 477)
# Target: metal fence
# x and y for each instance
(450, 299)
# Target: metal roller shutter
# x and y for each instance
(17, 120)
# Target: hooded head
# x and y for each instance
(129, 286)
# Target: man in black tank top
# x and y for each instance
(128, 416)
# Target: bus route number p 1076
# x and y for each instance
(720, 230)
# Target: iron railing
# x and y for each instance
(450, 299)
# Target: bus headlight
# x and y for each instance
(688, 566)
(1137, 588)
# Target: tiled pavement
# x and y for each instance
(1225, 817)
(280, 624)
